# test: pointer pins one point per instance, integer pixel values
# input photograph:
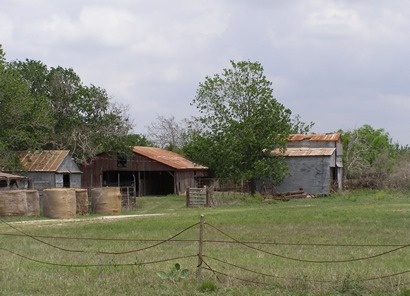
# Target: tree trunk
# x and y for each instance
(252, 186)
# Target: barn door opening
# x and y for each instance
(144, 182)
(158, 183)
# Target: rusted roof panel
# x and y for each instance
(295, 152)
(323, 137)
(10, 176)
(168, 158)
(43, 161)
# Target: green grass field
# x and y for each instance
(347, 244)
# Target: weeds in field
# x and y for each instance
(175, 274)
(351, 286)
(405, 293)
(207, 286)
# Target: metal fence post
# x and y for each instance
(201, 239)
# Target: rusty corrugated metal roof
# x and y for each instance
(294, 152)
(168, 158)
(43, 161)
(322, 137)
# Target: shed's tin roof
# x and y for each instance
(11, 176)
(43, 161)
(294, 152)
(323, 137)
(168, 158)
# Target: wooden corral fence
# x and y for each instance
(129, 198)
(223, 185)
(198, 197)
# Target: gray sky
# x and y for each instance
(340, 64)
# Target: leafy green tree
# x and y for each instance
(399, 178)
(25, 121)
(138, 140)
(242, 123)
(299, 126)
(368, 152)
(83, 119)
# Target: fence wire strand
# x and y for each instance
(100, 238)
(291, 278)
(96, 265)
(311, 280)
(236, 278)
(195, 240)
(97, 252)
(259, 273)
(232, 240)
(306, 260)
(205, 241)
(211, 269)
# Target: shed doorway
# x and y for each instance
(66, 180)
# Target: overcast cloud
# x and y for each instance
(340, 64)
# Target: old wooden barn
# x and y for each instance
(148, 171)
(50, 169)
(314, 163)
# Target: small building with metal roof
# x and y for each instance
(147, 171)
(50, 169)
(314, 163)
(10, 181)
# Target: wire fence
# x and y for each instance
(217, 266)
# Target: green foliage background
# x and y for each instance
(50, 108)
(240, 121)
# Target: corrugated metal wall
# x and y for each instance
(310, 173)
(336, 161)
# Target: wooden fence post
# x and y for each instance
(187, 197)
(201, 240)
(207, 197)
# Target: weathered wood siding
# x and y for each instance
(147, 174)
(43, 180)
(75, 180)
(187, 179)
(93, 172)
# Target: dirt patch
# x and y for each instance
(87, 219)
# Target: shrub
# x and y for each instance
(207, 286)
(175, 274)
